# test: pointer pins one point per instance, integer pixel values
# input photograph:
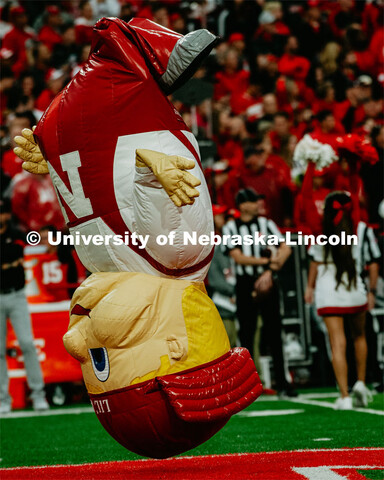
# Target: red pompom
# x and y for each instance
(353, 145)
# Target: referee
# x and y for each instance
(251, 262)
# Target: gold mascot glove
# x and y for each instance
(170, 171)
(29, 151)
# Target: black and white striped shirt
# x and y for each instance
(261, 225)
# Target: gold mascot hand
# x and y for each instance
(170, 171)
(29, 151)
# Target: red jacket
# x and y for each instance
(14, 41)
(49, 37)
(294, 66)
(11, 163)
(229, 83)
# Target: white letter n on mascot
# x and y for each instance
(154, 352)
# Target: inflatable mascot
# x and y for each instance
(154, 353)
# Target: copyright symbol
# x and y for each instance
(33, 238)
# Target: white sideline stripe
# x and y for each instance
(330, 405)
(320, 395)
(274, 398)
(267, 413)
(326, 473)
(47, 413)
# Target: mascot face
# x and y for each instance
(169, 326)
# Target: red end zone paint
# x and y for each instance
(296, 465)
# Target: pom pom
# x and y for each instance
(353, 145)
(311, 150)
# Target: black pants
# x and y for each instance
(269, 309)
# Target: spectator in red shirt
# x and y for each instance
(267, 72)
(84, 23)
(270, 106)
(359, 53)
(49, 33)
(66, 52)
(242, 101)
(237, 41)
(272, 31)
(372, 18)
(325, 98)
(312, 30)
(277, 162)
(268, 181)
(291, 64)
(281, 137)
(42, 57)
(24, 94)
(15, 40)
(342, 16)
(55, 82)
(291, 96)
(11, 163)
(232, 79)
(231, 148)
(223, 185)
(327, 131)
(360, 105)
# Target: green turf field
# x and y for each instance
(267, 425)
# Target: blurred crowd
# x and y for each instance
(280, 70)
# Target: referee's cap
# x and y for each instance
(248, 195)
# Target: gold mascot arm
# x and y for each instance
(170, 171)
(29, 151)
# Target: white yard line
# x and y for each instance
(304, 401)
(47, 413)
(274, 398)
(320, 395)
(267, 413)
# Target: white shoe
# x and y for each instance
(343, 403)
(40, 404)
(362, 394)
(5, 408)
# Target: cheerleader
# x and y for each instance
(335, 283)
